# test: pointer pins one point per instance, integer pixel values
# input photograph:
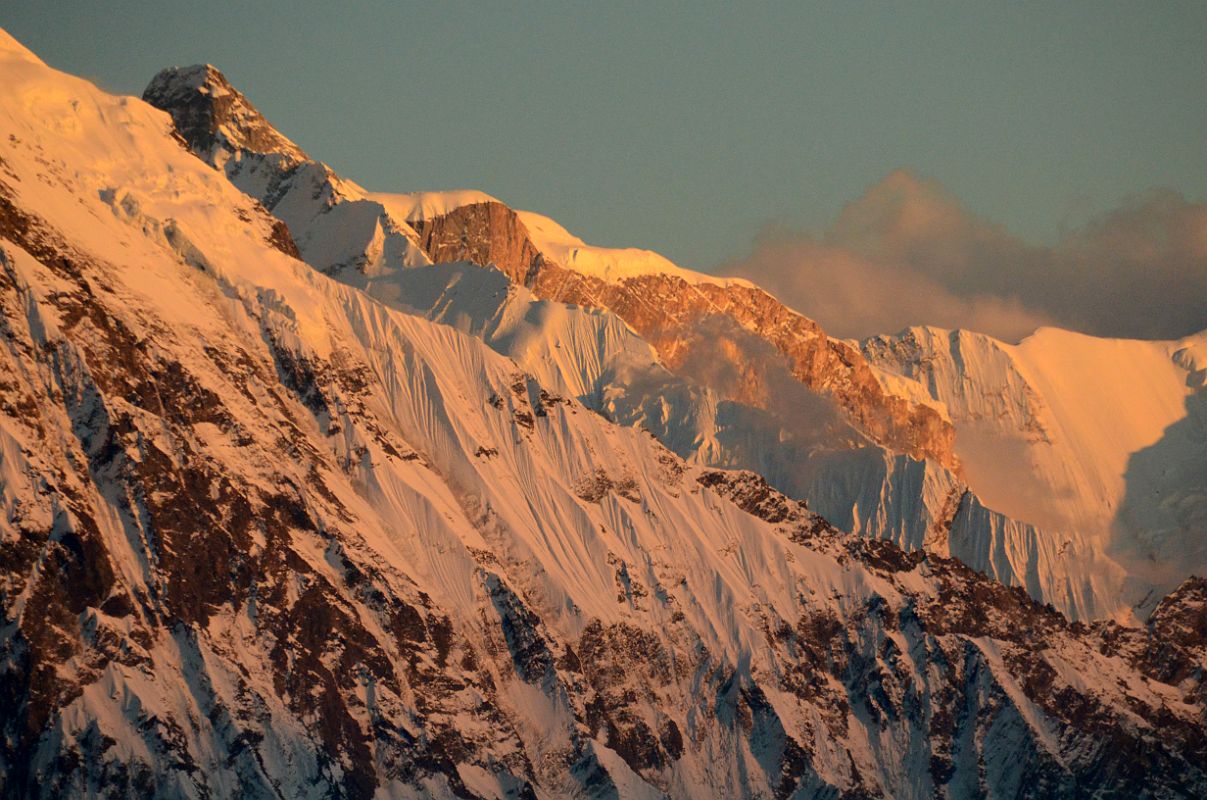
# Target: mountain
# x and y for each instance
(907, 478)
(668, 306)
(266, 535)
(1091, 438)
(721, 372)
(222, 127)
(333, 224)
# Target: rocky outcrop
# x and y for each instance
(326, 220)
(674, 316)
(214, 117)
(481, 233)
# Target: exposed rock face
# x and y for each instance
(481, 233)
(666, 310)
(211, 115)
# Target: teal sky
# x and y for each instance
(687, 128)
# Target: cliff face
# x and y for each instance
(483, 234)
(214, 117)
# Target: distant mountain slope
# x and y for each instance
(1105, 438)
(668, 305)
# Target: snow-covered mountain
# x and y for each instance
(267, 535)
(721, 372)
(1093, 439)
(905, 475)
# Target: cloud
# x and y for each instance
(742, 367)
(908, 252)
(854, 296)
(1138, 271)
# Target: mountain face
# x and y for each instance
(671, 309)
(1104, 554)
(721, 372)
(268, 534)
(1097, 440)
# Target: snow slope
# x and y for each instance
(1088, 438)
(1060, 520)
(592, 356)
(266, 536)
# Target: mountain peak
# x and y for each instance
(213, 116)
(197, 76)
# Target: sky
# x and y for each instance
(707, 131)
